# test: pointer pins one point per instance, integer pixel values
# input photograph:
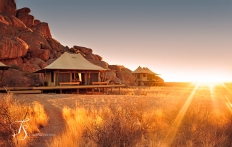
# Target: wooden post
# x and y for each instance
(45, 78)
(89, 78)
(119, 90)
(57, 78)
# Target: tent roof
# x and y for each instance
(144, 70)
(72, 61)
(3, 66)
(139, 70)
(149, 71)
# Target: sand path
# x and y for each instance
(55, 124)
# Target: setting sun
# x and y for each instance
(196, 77)
(211, 79)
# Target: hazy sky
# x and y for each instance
(183, 40)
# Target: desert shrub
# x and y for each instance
(126, 125)
(206, 129)
(11, 111)
(149, 119)
(112, 125)
(6, 118)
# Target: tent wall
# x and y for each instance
(63, 77)
(142, 76)
(93, 77)
(53, 78)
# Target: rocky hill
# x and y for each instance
(27, 45)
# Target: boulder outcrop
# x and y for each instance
(7, 29)
(8, 6)
(13, 77)
(12, 47)
(36, 21)
(13, 62)
(110, 75)
(38, 45)
(43, 29)
(116, 67)
(84, 50)
(103, 64)
(27, 67)
(24, 15)
(127, 78)
(11, 21)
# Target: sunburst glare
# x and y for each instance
(172, 132)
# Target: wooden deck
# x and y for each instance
(100, 83)
(41, 88)
(69, 83)
(25, 91)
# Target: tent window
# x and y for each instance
(52, 76)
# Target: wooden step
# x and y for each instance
(25, 91)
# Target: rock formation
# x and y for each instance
(26, 44)
(8, 6)
(12, 47)
(15, 77)
(25, 17)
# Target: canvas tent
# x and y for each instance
(144, 74)
(69, 67)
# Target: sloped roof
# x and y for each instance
(71, 61)
(139, 70)
(149, 71)
(3, 66)
(144, 70)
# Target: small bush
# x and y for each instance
(10, 112)
(125, 125)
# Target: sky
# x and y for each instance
(182, 40)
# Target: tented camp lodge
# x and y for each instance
(71, 68)
(145, 76)
(69, 72)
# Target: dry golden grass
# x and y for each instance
(76, 120)
(169, 115)
(10, 111)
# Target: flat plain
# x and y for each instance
(173, 114)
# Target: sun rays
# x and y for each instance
(228, 102)
(172, 132)
(219, 93)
